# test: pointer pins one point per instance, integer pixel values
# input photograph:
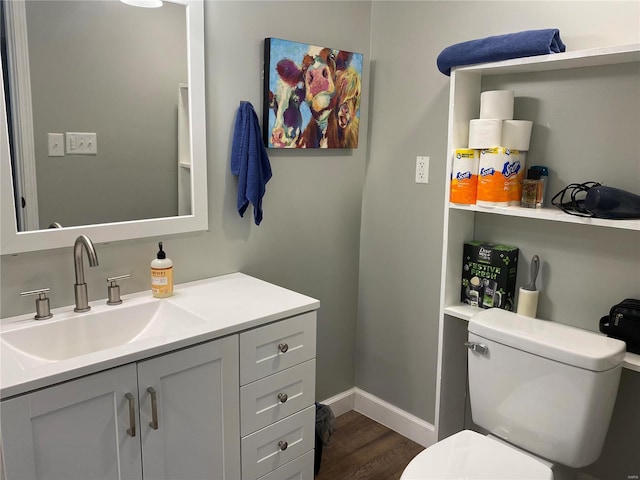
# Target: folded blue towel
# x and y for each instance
(249, 161)
(501, 47)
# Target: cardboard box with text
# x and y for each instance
(489, 275)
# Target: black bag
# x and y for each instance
(623, 323)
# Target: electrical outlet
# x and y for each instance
(422, 169)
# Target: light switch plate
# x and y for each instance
(56, 144)
(81, 143)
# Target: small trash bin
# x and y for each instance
(325, 424)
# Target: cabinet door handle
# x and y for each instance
(132, 414)
(282, 445)
(283, 347)
(283, 397)
(154, 408)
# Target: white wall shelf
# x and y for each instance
(594, 57)
(461, 311)
(551, 214)
(632, 362)
(573, 98)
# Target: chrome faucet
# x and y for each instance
(80, 288)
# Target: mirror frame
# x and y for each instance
(12, 241)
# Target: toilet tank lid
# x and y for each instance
(552, 340)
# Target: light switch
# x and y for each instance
(56, 144)
(80, 143)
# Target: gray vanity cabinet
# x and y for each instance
(105, 426)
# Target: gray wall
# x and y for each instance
(350, 228)
(111, 69)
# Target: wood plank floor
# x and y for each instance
(361, 449)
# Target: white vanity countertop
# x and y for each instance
(228, 304)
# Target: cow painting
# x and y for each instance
(347, 107)
(312, 96)
(285, 104)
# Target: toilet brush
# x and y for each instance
(528, 295)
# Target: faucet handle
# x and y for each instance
(43, 310)
(113, 289)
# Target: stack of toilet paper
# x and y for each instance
(490, 171)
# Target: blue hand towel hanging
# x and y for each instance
(249, 161)
(528, 43)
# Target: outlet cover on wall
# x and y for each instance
(422, 169)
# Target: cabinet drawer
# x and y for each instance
(272, 348)
(277, 396)
(299, 469)
(262, 451)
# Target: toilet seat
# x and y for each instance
(472, 456)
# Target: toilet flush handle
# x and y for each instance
(477, 347)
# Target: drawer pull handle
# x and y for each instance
(283, 397)
(154, 408)
(283, 347)
(131, 431)
(282, 445)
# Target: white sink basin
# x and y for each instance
(72, 335)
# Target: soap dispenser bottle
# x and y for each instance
(161, 275)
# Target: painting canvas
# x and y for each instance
(311, 96)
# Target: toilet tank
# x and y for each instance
(545, 387)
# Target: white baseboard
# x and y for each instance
(342, 403)
(390, 416)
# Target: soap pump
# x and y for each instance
(161, 274)
(528, 295)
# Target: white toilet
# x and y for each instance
(544, 391)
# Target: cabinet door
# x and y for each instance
(196, 428)
(75, 430)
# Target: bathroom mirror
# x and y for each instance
(131, 89)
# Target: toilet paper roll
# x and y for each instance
(484, 133)
(516, 134)
(528, 303)
(496, 104)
